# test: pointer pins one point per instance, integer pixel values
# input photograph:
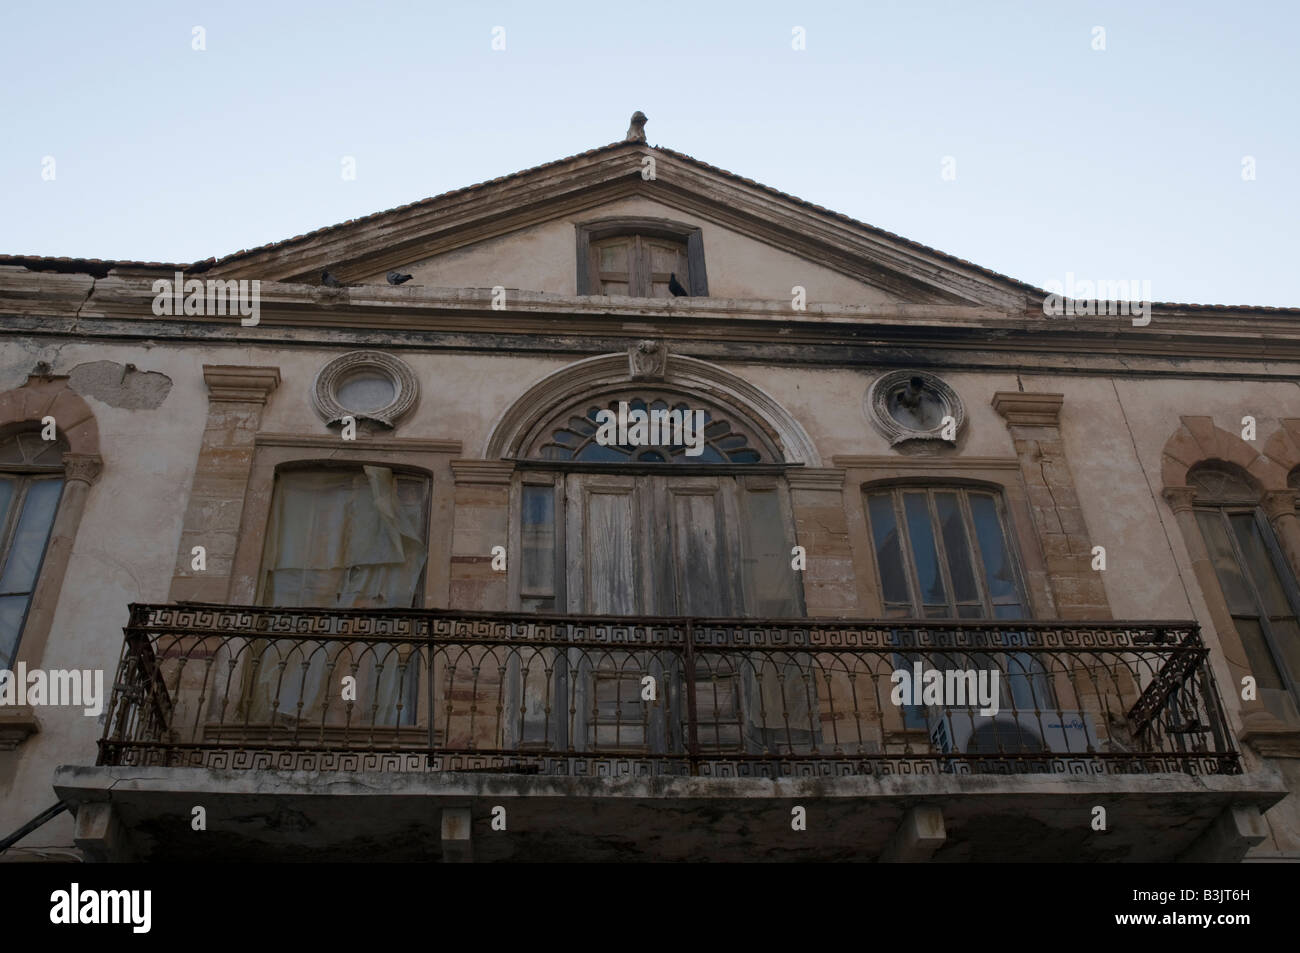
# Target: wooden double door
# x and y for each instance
(706, 545)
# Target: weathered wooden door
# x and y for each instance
(675, 545)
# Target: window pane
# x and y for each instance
(1287, 636)
(1224, 560)
(7, 487)
(1262, 569)
(957, 548)
(537, 537)
(999, 572)
(769, 584)
(1260, 658)
(12, 609)
(28, 543)
(889, 553)
(924, 555)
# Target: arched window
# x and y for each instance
(1260, 591)
(31, 483)
(648, 428)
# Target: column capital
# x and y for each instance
(231, 382)
(85, 467)
(1029, 410)
(1180, 498)
(1279, 503)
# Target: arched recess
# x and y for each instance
(1227, 497)
(520, 425)
(1283, 447)
(1198, 440)
(26, 408)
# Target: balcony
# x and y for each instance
(321, 734)
(252, 688)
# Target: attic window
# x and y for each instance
(640, 257)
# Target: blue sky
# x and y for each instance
(1117, 164)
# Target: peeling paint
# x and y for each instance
(120, 385)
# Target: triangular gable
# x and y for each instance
(358, 250)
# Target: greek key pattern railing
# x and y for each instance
(246, 687)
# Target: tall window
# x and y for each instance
(945, 553)
(31, 483)
(1257, 585)
(350, 538)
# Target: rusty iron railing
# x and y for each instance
(440, 690)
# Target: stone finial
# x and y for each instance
(636, 131)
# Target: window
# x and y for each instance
(638, 265)
(945, 553)
(667, 431)
(640, 257)
(31, 483)
(1259, 589)
(346, 537)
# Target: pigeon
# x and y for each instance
(329, 281)
(396, 277)
(675, 287)
(911, 398)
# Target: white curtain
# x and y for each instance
(339, 539)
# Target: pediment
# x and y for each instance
(518, 232)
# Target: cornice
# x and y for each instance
(362, 443)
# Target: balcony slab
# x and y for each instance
(356, 816)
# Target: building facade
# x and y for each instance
(656, 515)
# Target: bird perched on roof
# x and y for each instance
(636, 131)
(329, 281)
(675, 287)
(396, 277)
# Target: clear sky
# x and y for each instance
(1122, 163)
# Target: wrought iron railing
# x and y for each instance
(440, 690)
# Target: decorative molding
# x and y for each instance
(1029, 410)
(362, 443)
(854, 462)
(247, 385)
(647, 360)
(885, 386)
(823, 478)
(514, 429)
(497, 472)
(324, 391)
(85, 467)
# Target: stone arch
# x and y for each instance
(1199, 440)
(1284, 446)
(22, 408)
(516, 428)
(44, 397)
